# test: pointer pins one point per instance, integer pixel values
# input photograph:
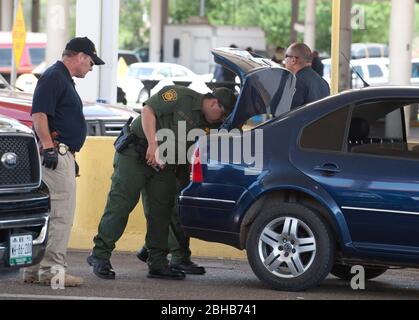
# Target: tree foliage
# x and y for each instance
(377, 23)
(133, 31)
(273, 16)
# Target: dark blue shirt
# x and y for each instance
(56, 96)
(309, 87)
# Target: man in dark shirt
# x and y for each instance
(309, 86)
(57, 114)
(317, 63)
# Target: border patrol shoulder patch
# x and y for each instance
(170, 95)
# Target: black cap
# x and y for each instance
(86, 46)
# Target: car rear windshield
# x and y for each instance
(5, 57)
(140, 72)
(37, 55)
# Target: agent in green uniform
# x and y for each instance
(137, 172)
(180, 255)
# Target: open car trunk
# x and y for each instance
(266, 88)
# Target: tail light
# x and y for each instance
(196, 172)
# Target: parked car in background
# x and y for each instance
(309, 202)
(138, 72)
(24, 199)
(102, 119)
(373, 70)
(415, 71)
(129, 56)
(33, 52)
(368, 50)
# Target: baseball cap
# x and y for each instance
(85, 45)
(226, 97)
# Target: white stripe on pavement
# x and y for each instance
(57, 297)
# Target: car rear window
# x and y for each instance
(5, 57)
(139, 72)
(415, 70)
(375, 71)
(37, 55)
(317, 135)
(359, 70)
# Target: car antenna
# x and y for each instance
(366, 84)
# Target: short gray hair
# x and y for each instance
(69, 53)
(302, 51)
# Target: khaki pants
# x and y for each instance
(61, 183)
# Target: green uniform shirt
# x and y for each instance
(171, 105)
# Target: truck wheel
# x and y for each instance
(289, 247)
(344, 272)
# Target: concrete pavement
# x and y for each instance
(225, 280)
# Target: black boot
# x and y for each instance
(142, 254)
(166, 273)
(188, 267)
(101, 267)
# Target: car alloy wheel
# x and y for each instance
(290, 247)
(287, 247)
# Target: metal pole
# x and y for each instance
(35, 16)
(13, 71)
(294, 20)
(57, 29)
(6, 15)
(310, 24)
(155, 32)
(345, 74)
(202, 8)
(401, 37)
(334, 87)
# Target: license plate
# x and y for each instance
(20, 250)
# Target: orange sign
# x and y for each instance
(19, 35)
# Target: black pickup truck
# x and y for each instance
(24, 199)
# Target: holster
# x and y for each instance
(125, 137)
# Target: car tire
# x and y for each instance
(292, 260)
(344, 272)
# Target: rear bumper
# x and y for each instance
(36, 225)
(213, 212)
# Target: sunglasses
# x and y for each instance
(289, 56)
(90, 60)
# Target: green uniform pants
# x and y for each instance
(130, 178)
(180, 253)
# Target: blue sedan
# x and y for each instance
(309, 191)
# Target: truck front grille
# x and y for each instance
(19, 161)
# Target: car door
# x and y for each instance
(370, 171)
